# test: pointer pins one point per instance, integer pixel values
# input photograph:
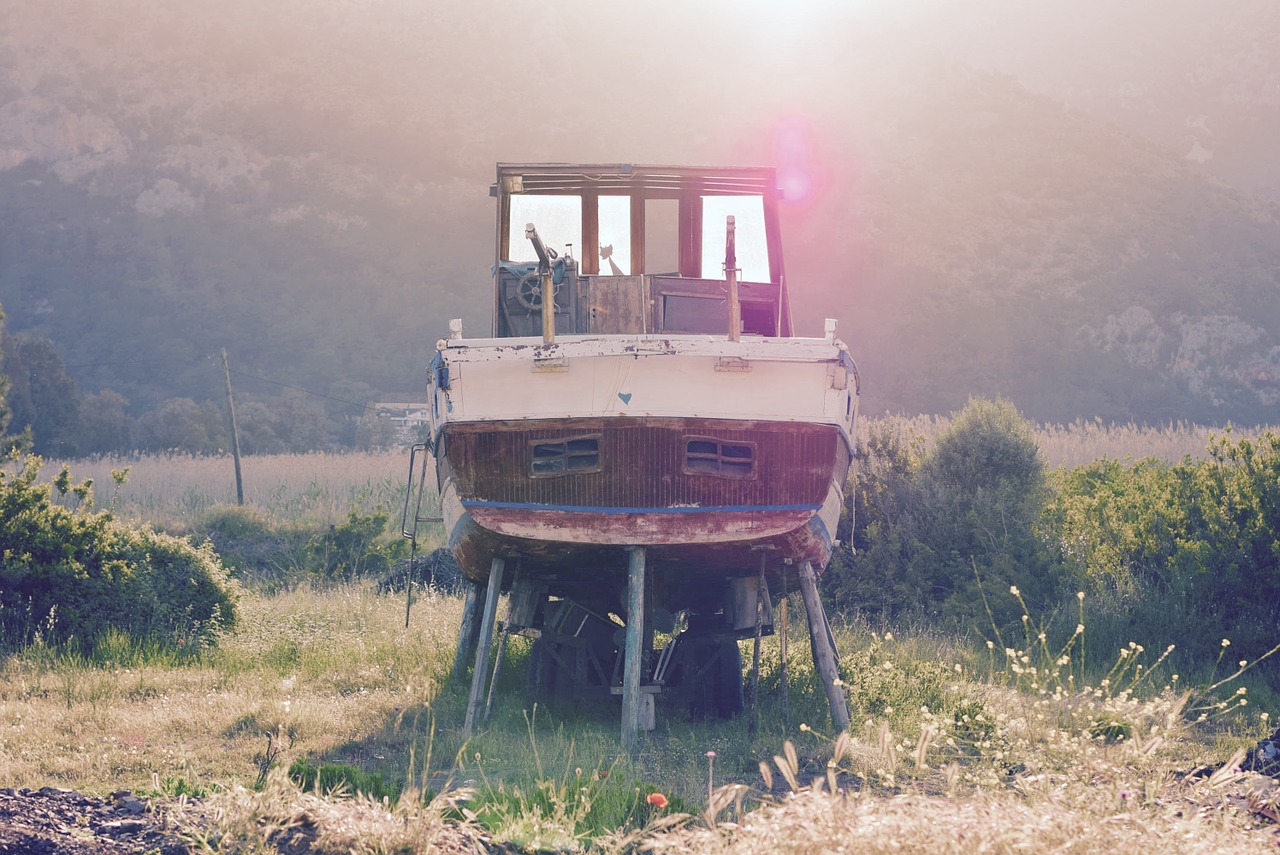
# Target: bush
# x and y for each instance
(940, 530)
(259, 551)
(1188, 552)
(351, 549)
(70, 575)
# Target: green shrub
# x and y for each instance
(1187, 553)
(339, 779)
(69, 575)
(258, 550)
(353, 548)
(938, 531)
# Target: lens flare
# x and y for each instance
(793, 157)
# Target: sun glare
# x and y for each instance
(793, 157)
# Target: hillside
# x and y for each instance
(305, 185)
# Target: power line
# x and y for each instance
(233, 371)
(300, 389)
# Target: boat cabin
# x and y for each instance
(637, 250)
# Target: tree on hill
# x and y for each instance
(4, 382)
(42, 397)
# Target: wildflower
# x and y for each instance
(658, 800)
(1226, 642)
(1080, 595)
(711, 755)
(1013, 589)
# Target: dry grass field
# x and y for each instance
(953, 748)
(946, 753)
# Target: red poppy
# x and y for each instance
(658, 800)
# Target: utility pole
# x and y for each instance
(235, 432)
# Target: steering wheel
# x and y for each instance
(529, 291)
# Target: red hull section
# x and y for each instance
(705, 497)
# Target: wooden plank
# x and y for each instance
(618, 305)
(634, 652)
(481, 668)
(824, 653)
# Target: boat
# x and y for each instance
(641, 447)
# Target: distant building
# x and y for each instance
(407, 417)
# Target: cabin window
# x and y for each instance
(685, 313)
(557, 218)
(615, 235)
(708, 456)
(690, 314)
(572, 456)
(750, 243)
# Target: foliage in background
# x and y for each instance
(4, 382)
(271, 554)
(935, 527)
(73, 576)
(1187, 551)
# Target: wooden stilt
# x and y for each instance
(517, 600)
(497, 665)
(634, 653)
(761, 594)
(468, 631)
(782, 648)
(481, 669)
(824, 651)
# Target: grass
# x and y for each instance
(952, 748)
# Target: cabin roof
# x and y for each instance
(652, 181)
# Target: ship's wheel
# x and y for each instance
(529, 291)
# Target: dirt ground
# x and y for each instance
(52, 820)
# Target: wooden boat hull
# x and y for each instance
(573, 531)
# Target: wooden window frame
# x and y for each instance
(565, 456)
(723, 466)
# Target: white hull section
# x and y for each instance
(776, 380)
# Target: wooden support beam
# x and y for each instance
(468, 631)
(634, 653)
(782, 649)
(481, 669)
(762, 592)
(824, 651)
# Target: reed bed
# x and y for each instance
(1082, 442)
(170, 490)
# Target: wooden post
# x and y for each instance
(761, 593)
(824, 652)
(632, 664)
(481, 669)
(503, 635)
(235, 431)
(548, 289)
(468, 631)
(731, 277)
(782, 646)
